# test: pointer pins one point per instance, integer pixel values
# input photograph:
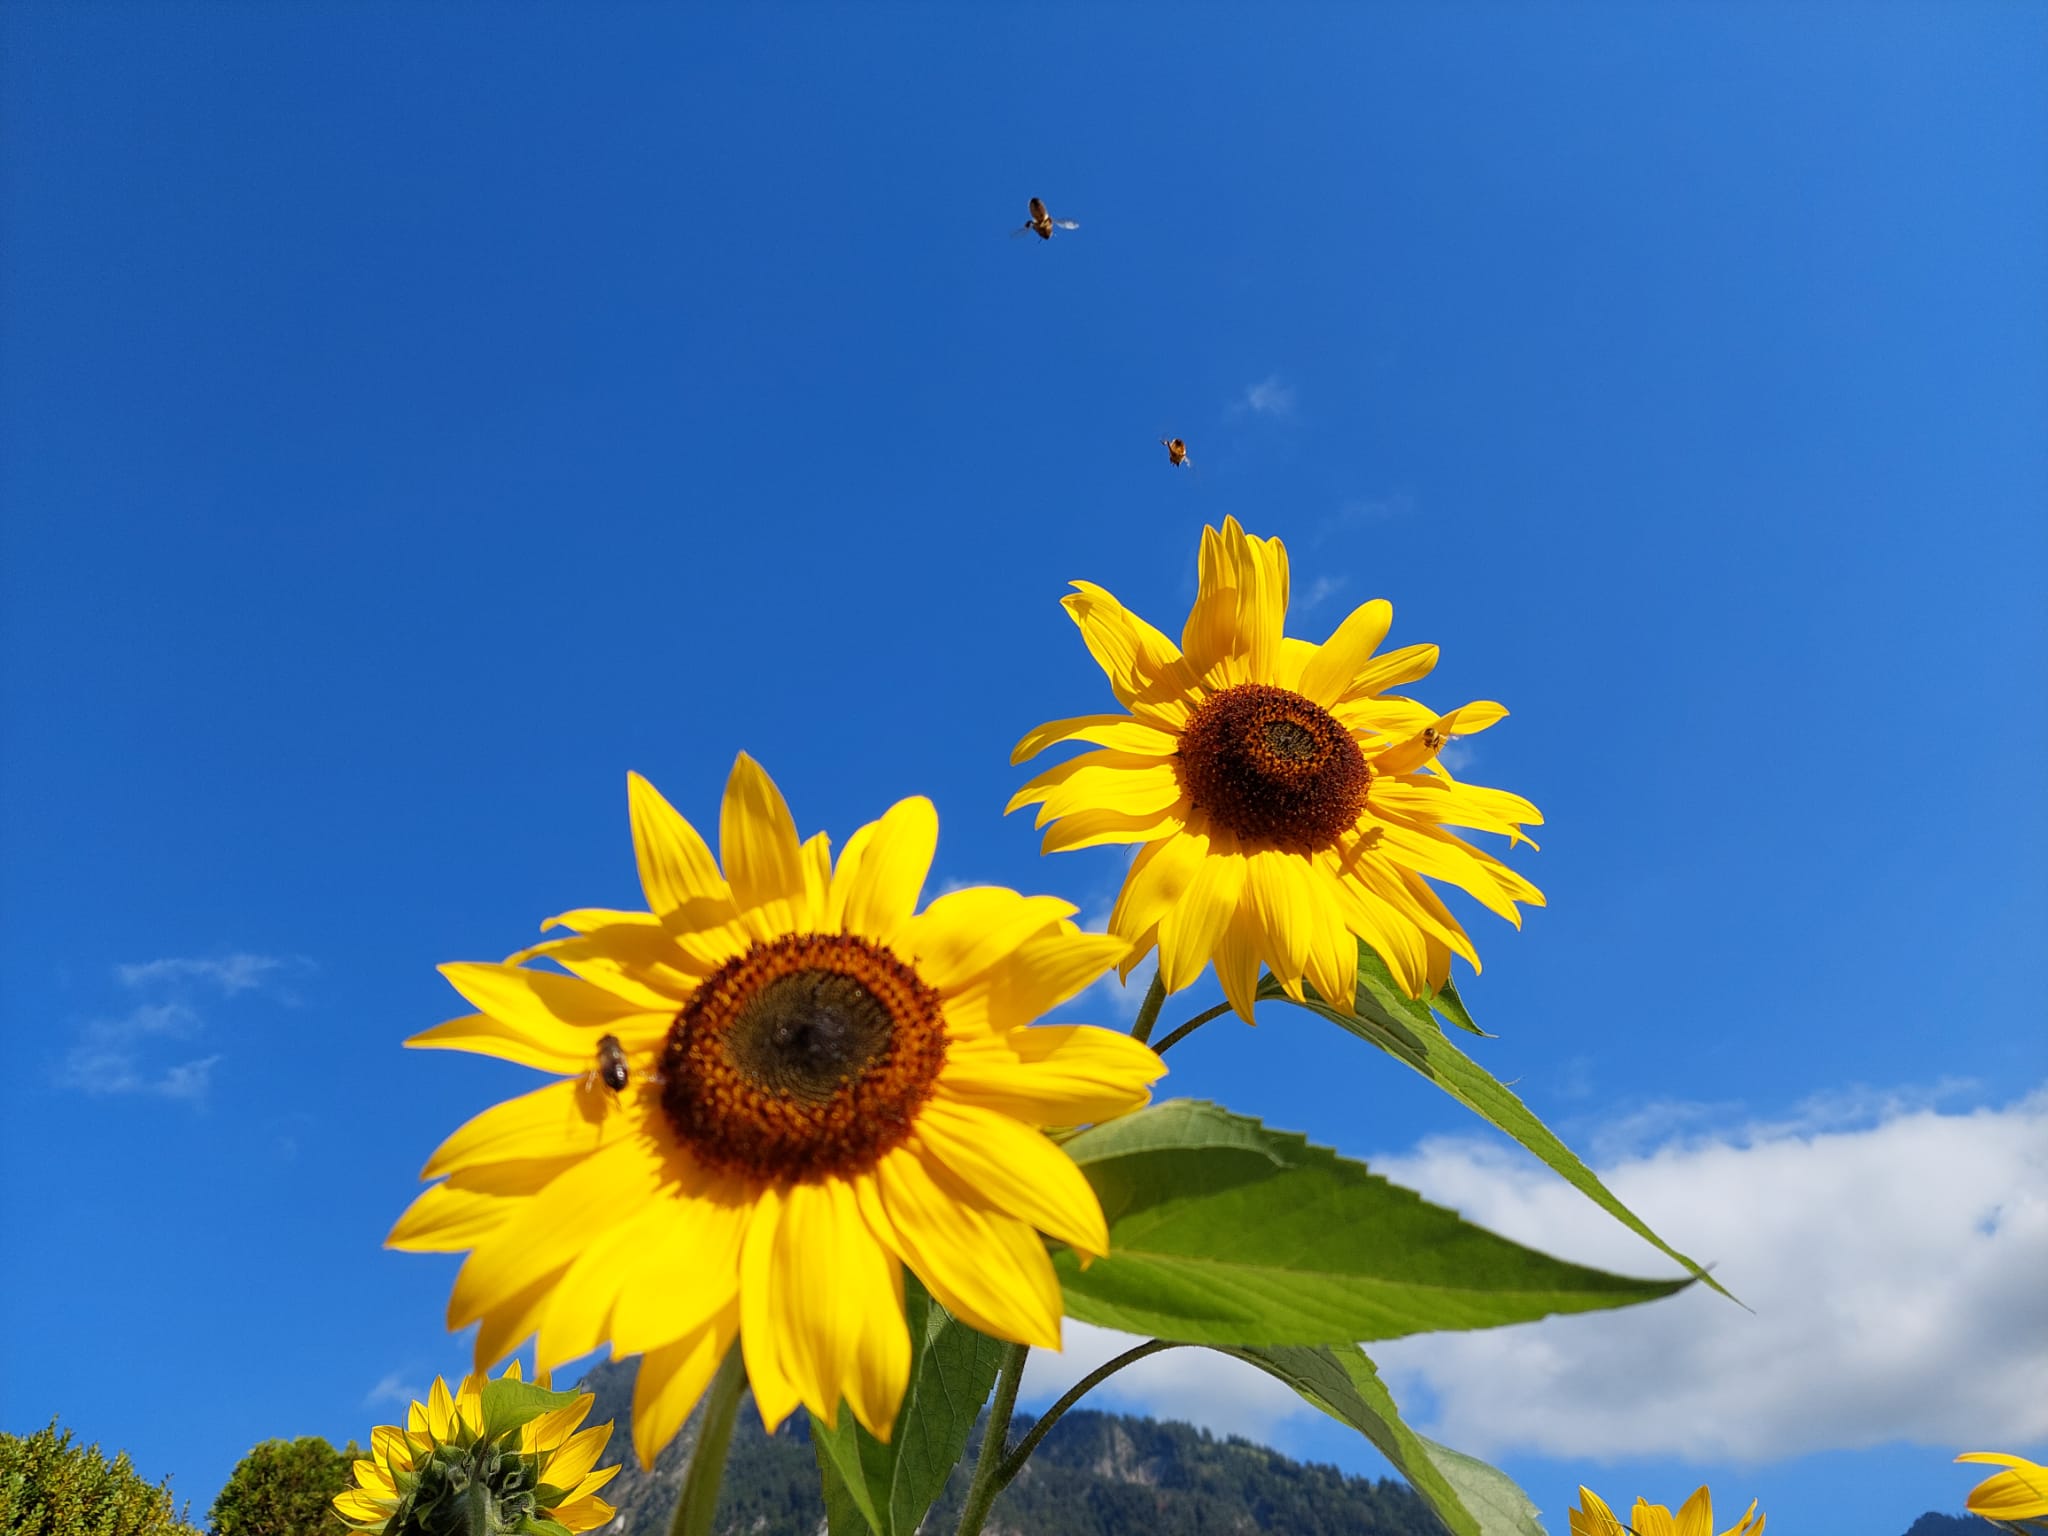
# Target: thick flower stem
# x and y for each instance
(1148, 1011)
(699, 1500)
(981, 1493)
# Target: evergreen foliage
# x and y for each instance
(50, 1487)
(284, 1488)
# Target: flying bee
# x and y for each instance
(1041, 223)
(1433, 738)
(1176, 450)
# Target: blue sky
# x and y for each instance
(413, 418)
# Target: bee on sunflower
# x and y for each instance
(1285, 804)
(817, 1087)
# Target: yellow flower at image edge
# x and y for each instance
(822, 1085)
(1286, 805)
(2018, 1493)
(1695, 1517)
(420, 1479)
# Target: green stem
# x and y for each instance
(1148, 1011)
(1014, 1462)
(981, 1493)
(699, 1500)
(1190, 1027)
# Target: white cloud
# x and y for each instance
(1892, 1256)
(121, 1053)
(1194, 1386)
(1321, 589)
(1268, 397)
(393, 1387)
(1362, 511)
(231, 973)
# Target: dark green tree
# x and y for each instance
(50, 1487)
(284, 1488)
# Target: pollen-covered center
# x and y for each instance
(807, 1057)
(1275, 769)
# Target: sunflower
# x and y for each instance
(1285, 804)
(782, 1085)
(2016, 1497)
(1695, 1517)
(525, 1448)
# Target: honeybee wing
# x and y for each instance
(1021, 229)
(1065, 224)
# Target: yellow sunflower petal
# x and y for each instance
(1159, 879)
(584, 1514)
(1194, 926)
(440, 1411)
(1596, 1519)
(1652, 1520)
(551, 1049)
(545, 1235)
(1092, 829)
(1695, 1516)
(389, 1445)
(566, 1468)
(835, 1303)
(1283, 903)
(987, 1268)
(562, 1120)
(686, 1269)
(467, 1207)
(1237, 964)
(551, 1431)
(1124, 733)
(671, 1380)
(1751, 1523)
(352, 1505)
(770, 1373)
(1014, 1168)
(962, 933)
(1145, 669)
(1061, 1074)
(2018, 1493)
(758, 846)
(374, 1480)
(1338, 661)
(817, 851)
(596, 1480)
(1390, 671)
(879, 892)
(512, 1322)
(675, 864)
(1034, 978)
(1233, 631)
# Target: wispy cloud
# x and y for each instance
(1321, 590)
(394, 1387)
(1892, 1255)
(128, 1052)
(230, 974)
(1268, 397)
(1363, 511)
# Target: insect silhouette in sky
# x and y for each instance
(1176, 450)
(1041, 223)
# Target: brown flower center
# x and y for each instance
(806, 1058)
(1273, 768)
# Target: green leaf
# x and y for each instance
(1342, 1382)
(510, 1404)
(535, 1525)
(1451, 1006)
(1487, 1492)
(843, 1514)
(952, 1369)
(1404, 1029)
(1224, 1232)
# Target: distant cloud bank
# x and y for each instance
(1891, 1255)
